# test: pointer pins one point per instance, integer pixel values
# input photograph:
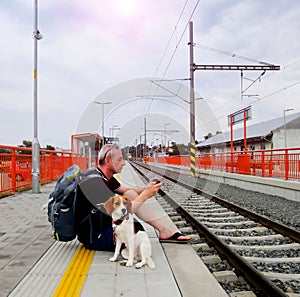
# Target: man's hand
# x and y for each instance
(155, 180)
(152, 188)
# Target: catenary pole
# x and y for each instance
(35, 143)
(192, 104)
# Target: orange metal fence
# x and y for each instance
(281, 163)
(15, 166)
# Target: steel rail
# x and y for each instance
(281, 228)
(253, 276)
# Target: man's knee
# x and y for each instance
(131, 194)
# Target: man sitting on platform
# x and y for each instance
(111, 162)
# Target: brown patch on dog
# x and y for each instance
(115, 201)
(127, 203)
(108, 205)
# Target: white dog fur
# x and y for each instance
(138, 246)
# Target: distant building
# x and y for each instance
(86, 144)
(265, 135)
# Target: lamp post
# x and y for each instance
(166, 136)
(284, 128)
(35, 171)
(103, 103)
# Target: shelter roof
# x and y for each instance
(261, 129)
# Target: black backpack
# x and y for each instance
(75, 205)
(90, 216)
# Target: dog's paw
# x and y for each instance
(139, 265)
(123, 263)
(129, 263)
(112, 259)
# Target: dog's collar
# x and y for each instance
(120, 220)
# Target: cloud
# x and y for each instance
(91, 46)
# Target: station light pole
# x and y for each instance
(284, 125)
(165, 131)
(103, 103)
(35, 171)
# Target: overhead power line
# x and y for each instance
(168, 44)
(233, 55)
(179, 41)
(280, 90)
(177, 44)
(259, 99)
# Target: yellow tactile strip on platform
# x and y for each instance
(54, 269)
(74, 277)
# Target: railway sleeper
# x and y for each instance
(281, 276)
(253, 229)
(256, 238)
(288, 246)
(225, 276)
(228, 224)
(273, 260)
(216, 219)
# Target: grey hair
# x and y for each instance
(106, 150)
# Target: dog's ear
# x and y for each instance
(108, 205)
(129, 205)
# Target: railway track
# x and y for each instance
(264, 252)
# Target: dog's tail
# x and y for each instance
(150, 263)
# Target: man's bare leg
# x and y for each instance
(157, 219)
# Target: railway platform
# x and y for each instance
(33, 264)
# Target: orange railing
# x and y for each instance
(281, 163)
(15, 166)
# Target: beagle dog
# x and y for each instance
(130, 232)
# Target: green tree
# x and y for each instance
(50, 147)
(26, 143)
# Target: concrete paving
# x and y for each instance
(32, 263)
(25, 235)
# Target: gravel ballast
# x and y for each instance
(274, 207)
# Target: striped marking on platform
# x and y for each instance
(74, 277)
(192, 158)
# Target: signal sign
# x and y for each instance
(239, 116)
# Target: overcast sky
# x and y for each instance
(126, 51)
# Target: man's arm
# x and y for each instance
(122, 189)
(144, 193)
